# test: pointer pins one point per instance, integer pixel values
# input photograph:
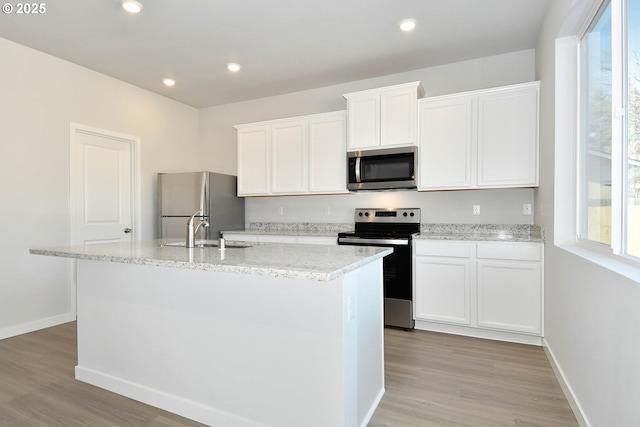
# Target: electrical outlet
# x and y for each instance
(280, 211)
(476, 209)
(327, 211)
(526, 209)
(350, 308)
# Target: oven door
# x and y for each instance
(397, 273)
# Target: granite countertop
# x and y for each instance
(482, 232)
(313, 262)
(470, 232)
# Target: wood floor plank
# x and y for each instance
(431, 380)
(437, 379)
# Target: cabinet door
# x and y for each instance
(398, 117)
(447, 138)
(510, 296)
(289, 158)
(442, 289)
(328, 154)
(364, 122)
(254, 160)
(508, 138)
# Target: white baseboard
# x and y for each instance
(566, 387)
(175, 404)
(24, 328)
(468, 331)
(372, 409)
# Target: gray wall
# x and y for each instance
(40, 96)
(592, 315)
(218, 146)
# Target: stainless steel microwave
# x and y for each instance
(385, 169)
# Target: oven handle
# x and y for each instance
(360, 241)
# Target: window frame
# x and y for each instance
(619, 145)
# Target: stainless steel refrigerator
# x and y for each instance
(180, 195)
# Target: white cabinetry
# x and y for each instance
(300, 155)
(289, 157)
(483, 289)
(447, 143)
(254, 160)
(480, 139)
(327, 153)
(443, 274)
(383, 117)
(509, 287)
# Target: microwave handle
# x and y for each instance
(357, 167)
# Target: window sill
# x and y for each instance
(630, 270)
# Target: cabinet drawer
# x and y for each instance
(444, 249)
(510, 251)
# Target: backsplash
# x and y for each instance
(497, 206)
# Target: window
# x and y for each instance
(609, 129)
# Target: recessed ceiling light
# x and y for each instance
(131, 6)
(169, 82)
(233, 67)
(407, 24)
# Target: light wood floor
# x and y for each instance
(431, 380)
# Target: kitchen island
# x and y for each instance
(266, 335)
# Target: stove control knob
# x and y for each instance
(360, 214)
(404, 214)
(412, 214)
(366, 214)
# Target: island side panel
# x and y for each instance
(369, 318)
(222, 348)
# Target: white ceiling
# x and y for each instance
(283, 45)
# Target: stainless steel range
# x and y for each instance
(390, 228)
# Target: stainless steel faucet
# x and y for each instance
(192, 230)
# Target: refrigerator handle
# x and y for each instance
(203, 195)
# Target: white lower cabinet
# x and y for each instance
(443, 282)
(483, 289)
(509, 296)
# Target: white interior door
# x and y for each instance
(103, 186)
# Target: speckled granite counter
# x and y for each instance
(295, 229)
(482, 232)
(472, 232)
(267, 259)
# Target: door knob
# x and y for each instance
(127, 230)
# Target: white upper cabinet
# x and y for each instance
(508, 137)
(383, 117)
(254, 160)
(327, 153)
(289, 157)
(299, 155)
(447, 143)
(481, 139)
